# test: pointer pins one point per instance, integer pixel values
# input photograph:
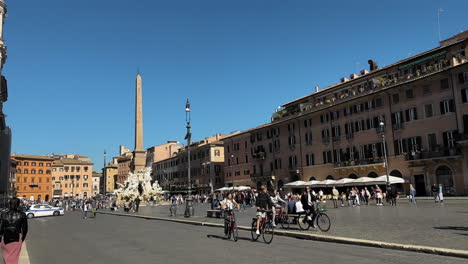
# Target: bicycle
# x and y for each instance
(266, 228)
(232, 226)
(322, 220)
(282, 218)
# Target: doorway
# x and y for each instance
(420, 185)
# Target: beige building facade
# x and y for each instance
(206, 167)
(72, 177)
(336, 132)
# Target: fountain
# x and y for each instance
(138, 185)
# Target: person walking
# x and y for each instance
(412, 194)
(13, 228)
(378, 193)
(335, 194)
(435, 192)
(441, 194)
(85, 208)
(137, 204)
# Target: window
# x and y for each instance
(464, 93)
(291, 128)
(432, 141)
(426, 90)
(324, 118)
(336, 132)
(246, 159)
(326, 157)
(47, 164)
(40, 179)
(61, 169)
(245, 144)
(348, 111)
(216, 153)
(41, 164)
(411, 114)
(335, 115)
(409, 93)
(428, 110)
(26, 171)
(292, 162)
(292, 140)
(378, 102)
(325, 135)
(33, 163)
(41, 172)
(449, 138)
(26, 163)
(67, 168)
(359, 125)
(444, 84)
(53, 178)
(308, 138)
(308, 123)
(447, 106)
(396, 98)
(54, 169)
(33, 171)
(310, 159)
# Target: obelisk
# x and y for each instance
(139, 153)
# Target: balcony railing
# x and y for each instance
(397, 126)
(259, 155)
(445, 152)
(33, 184)
(363, 162)
(325, 140)
(336, 138)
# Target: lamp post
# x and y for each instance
(188, 204)
(382, 125)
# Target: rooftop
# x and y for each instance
(35, 157)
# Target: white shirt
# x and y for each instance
(229, 204)
(299, 208)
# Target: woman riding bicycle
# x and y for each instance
(228, 205)
(278, 203)
(263, 203)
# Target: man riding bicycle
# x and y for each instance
(278, 203)
(308, 200)
(228, 205)
(263, 203)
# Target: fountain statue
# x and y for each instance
(138, 185)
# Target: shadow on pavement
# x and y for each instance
(225, 238)
(458, 228)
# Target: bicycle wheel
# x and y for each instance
(323, 222)
(254, 230)
(235, 234)
(268, 233)
(285, 221)
(304, 224)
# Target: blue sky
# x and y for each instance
(71, 64)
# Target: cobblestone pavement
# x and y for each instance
(426, 223)
(110, 239)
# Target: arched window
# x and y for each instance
(18, 171)
(47, 171)
(396, 173)
(372, 175)
(329, 177)
(33, 163)
(445, 177)
(26, 163)
(33, 171)
(353, 176)
(41, 164)
(312, 179)
(41, 172)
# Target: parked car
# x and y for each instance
(38, 210)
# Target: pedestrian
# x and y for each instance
(412, 194)
(335, 197)
(367, 195)
(137, 204)
(435, 192)
(379, 197)
(85, 208)
(441, 194)
(13, 228)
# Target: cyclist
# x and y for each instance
(277, 203)
(308, 200)
(228, 205)
(263, 203)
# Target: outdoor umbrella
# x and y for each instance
(295, 184)
(342, 182)
(312, 183)
(326, 183)
(224, 189)
(361, 181)
(242, 188)
(383, 180)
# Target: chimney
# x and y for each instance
(344, 79)
(372, 65)
(316, 88)
(364, 72)
(353, 76)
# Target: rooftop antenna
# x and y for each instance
(439, 10)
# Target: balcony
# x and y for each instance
(325, 140)
(33, 184)
(336, 138)
(364, 162)
(441, 153)
(259, 155)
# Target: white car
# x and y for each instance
(38, 210)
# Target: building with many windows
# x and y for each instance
(96, 183)
(336, 132)
(206, 167)
(33, 177)
(72, 176)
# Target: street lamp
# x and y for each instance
(188, 204)
(382, 125)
